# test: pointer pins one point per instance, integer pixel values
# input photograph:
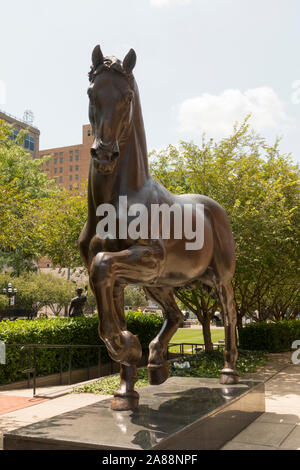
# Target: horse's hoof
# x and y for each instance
(129, 353)
(158, 374)
(125, 402)
(229, 377)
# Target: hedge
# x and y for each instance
(270, 337)
(82, 330)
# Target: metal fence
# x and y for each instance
(28, 354)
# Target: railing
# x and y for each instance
(32, 348)
(194, 348)
(31, 366)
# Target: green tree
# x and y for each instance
(3, 302)
(23, 189)
(134, 297)
(259, 189)
(60, 225)
(38, 290)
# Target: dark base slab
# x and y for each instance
(183, 413)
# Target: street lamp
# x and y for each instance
(11, 294)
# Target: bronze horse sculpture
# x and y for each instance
(119, 167)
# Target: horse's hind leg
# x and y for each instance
(229, 374)
(158, 369)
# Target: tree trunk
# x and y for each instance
(206, 332)
(239, 322)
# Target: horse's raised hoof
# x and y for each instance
(125, 402)
(125, 348)
(158, 374)
(229, 377)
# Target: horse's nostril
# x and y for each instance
(93, 153)
(115, 155)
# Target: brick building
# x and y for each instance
(69, 166)
(32, 140)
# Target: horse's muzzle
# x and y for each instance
(105, 157)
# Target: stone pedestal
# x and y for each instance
(183, 414)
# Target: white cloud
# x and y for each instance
(216, 114)
(168, 3)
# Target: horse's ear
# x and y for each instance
(97, 57)
(129, 61)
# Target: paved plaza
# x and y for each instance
(277, 428)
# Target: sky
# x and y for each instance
(201, 65)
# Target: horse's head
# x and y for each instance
(111, 94)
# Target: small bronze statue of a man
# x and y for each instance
(78, 303)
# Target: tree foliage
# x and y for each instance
(60, 225)
(258, 186)
(134, 297)
(23, 188)
(38, 290)
(38, 218)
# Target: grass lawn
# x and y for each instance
(189, 335)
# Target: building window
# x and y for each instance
(55, 154)
(77, 151)
(71, 168)
(47, 162)
(61, 160)
(55, 161)
(29, 143)
(89, 132)
(60, 179)
(61, 154)
(55, 170)
(71, 187)
(60, 170)
(55, 179)
(76, 167)
(77, 157)
(70, 177)
(71, 158)
(15, 134)
(77, 177)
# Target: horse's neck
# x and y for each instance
(132, 172)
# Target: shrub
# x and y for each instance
(204, 364)
(145, 326)
(271, 337)
(81, 330)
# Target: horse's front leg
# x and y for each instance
(125, 397)
(108, 269)
(83, 242)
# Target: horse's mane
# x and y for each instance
(109, 63)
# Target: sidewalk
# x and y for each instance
(44, 410)
(279, 427)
